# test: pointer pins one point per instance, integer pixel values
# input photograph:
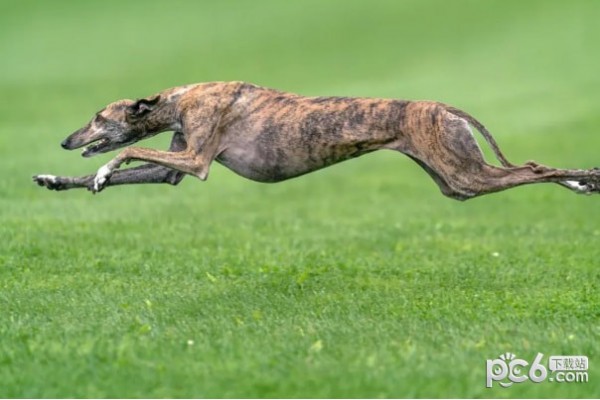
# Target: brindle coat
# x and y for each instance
(269, 136)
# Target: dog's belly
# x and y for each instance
(271, 165)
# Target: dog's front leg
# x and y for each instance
(147, 173)
(187, 161)
(202, 148)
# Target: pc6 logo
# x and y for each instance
(507, 366)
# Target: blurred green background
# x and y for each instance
(360, 280)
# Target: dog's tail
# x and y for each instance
(482, 129)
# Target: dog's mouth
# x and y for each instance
(96, 147)
(102, 146)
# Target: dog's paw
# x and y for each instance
(51, 182)
(583, 186)
(101, 178)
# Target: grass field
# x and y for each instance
(358, 280)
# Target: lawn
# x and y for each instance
(360, 280)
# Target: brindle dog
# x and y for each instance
(269, 136)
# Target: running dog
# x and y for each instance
(269, 136)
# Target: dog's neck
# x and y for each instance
(163, 118)
(166, 116)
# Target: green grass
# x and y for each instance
(358, 280)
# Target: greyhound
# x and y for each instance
(269, 136)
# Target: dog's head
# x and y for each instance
(118, 125)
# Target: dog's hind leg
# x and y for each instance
(147, 173)
(495, 179)
(450, 154)
(462, 167)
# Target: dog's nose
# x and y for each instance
(65, 144)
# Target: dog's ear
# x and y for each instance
(143, 106)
